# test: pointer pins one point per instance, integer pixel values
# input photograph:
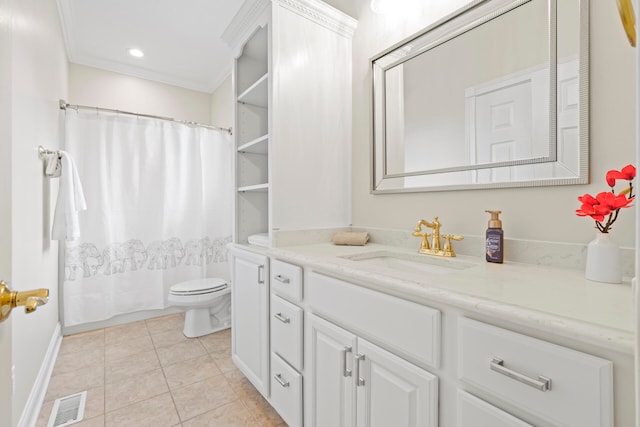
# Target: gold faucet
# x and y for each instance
(435, 248)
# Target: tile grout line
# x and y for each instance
(240, 399)
(164, 374)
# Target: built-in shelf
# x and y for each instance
(257, 93)
(259, 145)
(254, 188)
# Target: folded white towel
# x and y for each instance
(70, 202)
(260, 239)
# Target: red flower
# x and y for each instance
(627, 173)
(592, 208)
(607, 202)
(613, 202)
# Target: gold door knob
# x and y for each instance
(29, 299)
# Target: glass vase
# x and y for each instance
(603, 260)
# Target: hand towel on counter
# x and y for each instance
(351, 238)
(70, 202)
(260, 239)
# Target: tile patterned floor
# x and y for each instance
(147, 373)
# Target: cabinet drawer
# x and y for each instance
(581, 385)
(286, 280)
(286, 331)
(408, 329)
(474, 412)
(286, 391)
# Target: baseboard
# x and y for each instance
(36, 397)
(119, 320)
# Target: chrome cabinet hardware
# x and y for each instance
(281, 318)
(261, 274)
(282, 279)
(359, 379)
(346, 372)
(542, 383)
(282, 382)
(10, 299)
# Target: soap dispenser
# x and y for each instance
(494, 248)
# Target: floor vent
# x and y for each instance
(68, 410)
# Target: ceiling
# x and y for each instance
(181, 40)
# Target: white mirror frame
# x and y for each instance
(382, 183)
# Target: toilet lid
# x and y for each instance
(199, 286)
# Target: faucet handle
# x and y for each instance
(448, 249)
(424, 243)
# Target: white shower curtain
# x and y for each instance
(159, 198)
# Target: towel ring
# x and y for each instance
(43, 153)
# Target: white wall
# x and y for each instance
(38, 79)
(99, 88)
(544, 213)
(222, 105)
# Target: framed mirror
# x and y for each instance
(495, 95)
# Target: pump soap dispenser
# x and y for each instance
(494, 242)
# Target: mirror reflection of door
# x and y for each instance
(508, 119)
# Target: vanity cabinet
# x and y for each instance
(327, 352)
(287, 337)
(553, 383)
(292, 127)
(250, 316)
(355, 382)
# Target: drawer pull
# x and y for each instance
(281, 318)
(346, 372)
(260, 275)
(282, 279)
(283, 383)
(359, 379)
(542, 383)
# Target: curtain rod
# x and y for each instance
(64, 106)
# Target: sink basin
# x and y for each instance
(413, 263)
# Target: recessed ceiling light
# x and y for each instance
(136, 52)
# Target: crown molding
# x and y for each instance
(322, 14)
(251, 14)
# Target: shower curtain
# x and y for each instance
(159, 198)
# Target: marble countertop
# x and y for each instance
(554, 300)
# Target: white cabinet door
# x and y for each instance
(392, 391)
(250, 317)
(332, 393)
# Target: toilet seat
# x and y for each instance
(198, 287)
(206, 303)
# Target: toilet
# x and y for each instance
(207, 305)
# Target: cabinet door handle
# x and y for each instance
(281, 318)
(260, 274)
(359, 379)
(282, 279)
(282, 382)
(542, 383)
(346, 372)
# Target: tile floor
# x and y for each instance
(147, 373)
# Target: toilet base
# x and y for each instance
(200, 321)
